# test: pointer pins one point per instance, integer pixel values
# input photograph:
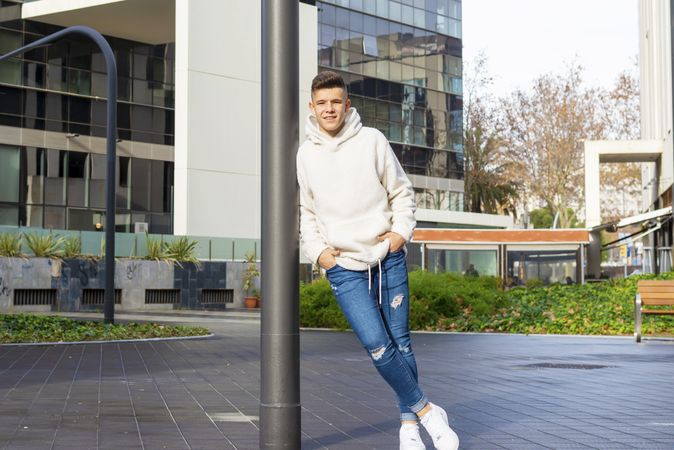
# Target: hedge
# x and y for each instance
(451, 302)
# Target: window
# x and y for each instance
(123, 198)
(97, 183)
(11, 100)
(55, 218)
(77, 178)
(10, 71)
(35, 172)
(9, 215)
(9, 174)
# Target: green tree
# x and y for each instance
(487, 186)
(541, 218)
(544, 218)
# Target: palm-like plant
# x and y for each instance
(181, 250)
(72, 246)
(155, 248)
(45, 245)
(10, 244)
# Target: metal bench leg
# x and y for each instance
(637, 318)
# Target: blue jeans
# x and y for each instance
(383, 329)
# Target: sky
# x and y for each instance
(527, 38)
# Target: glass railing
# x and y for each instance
(135, 244)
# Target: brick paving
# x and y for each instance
(501, 392)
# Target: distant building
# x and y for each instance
(655, 148)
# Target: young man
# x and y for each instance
(356, 213)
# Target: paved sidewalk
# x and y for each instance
(514, 392)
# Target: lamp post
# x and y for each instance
(111, 133)
(279, 390)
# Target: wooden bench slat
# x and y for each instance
(657, 311)
(647, 289)
(657, 295)
(655, 283)
(657, 301)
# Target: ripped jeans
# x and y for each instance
(383, 329)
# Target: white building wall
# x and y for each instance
(656, 93)
(217, 115)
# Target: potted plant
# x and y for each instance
(249, 275)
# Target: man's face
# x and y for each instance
(330, 107)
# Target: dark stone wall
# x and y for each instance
(191, 280)
(79, 274)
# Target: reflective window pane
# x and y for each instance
(55, 218)
(10, 72)
(9, 173)
(35, 172)
(77, 178)
(97, 181)
(54, 183)
(140, 184)
(33, 216)
(9, 215)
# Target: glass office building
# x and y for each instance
(62, 88)
(402, 63)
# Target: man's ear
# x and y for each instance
(311, 108)
(348, 103)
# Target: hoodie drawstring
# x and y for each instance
(369, 279)
(379, 262)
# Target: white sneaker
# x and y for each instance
(410, 438)
(436, 424)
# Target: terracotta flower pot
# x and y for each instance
(251, 302)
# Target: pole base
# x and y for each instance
(280, 427)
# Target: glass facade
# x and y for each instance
(402, 63)
(66, 190)
(548, 266)
(480, 262)
(62, 88)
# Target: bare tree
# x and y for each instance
(621, 182)
(544, 129)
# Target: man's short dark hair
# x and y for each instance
(327, 80)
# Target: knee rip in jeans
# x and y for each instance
(378, 353)
(397, 301)
(404, 348)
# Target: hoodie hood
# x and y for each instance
(352, 126)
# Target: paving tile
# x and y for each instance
(498, 390)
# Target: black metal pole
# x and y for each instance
(111, 135)
(280, 393)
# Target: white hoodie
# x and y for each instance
(352, 189)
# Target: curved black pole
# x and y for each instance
(111, 135)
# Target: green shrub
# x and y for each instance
(534, 283)
(45, 245)
(440, 301)
(10, 244)
(250, 274)
(452, 302)
(36, 328)
(318, 307)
